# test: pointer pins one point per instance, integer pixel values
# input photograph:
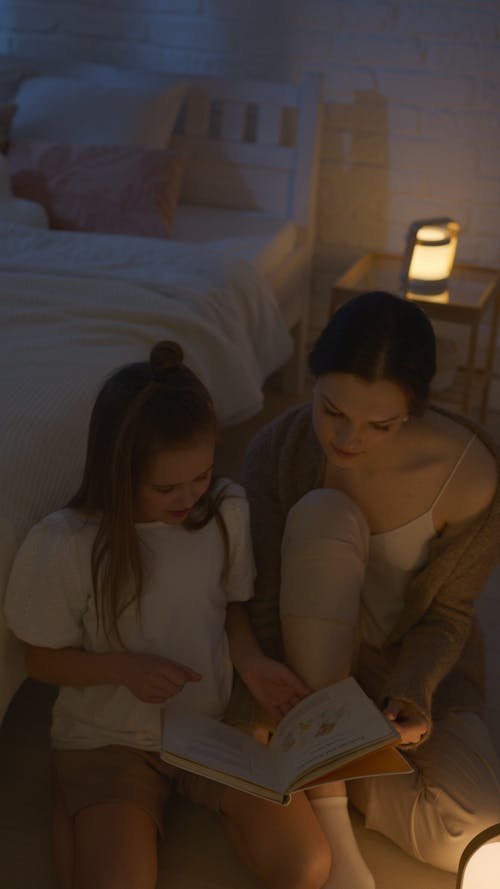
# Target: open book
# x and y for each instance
(336, 733)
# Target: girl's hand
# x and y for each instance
(409, 722)
(273, 685)
(152, 678)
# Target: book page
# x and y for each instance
(329, 723)
(219, 746)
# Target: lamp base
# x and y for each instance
(442, 297)
(421, 287)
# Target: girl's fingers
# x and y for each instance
(193, 676)
(179, 674)
(300, 688)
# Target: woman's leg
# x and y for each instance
(115, 846)
(324, 554)
(283, 845)
(323, 560)
(453, 794)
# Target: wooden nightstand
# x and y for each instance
(472, 291)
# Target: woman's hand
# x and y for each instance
(154, 679)
(409, 722)
(273, 685)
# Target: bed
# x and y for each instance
(231, 282)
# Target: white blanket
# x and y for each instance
(73, 307)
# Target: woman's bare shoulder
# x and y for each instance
(474, 482)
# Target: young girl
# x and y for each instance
(133, 594)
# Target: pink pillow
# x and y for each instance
(99, 188)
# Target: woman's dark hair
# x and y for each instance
(141, 409)
(379, 336)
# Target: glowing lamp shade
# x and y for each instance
(431, 245)
(479, 866)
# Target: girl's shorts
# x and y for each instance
(116, 774)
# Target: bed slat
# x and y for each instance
(233, 121)
(196, 120)
(269, 125)
(245, 127)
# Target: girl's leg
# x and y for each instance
(115, 846)
(324, 554)
(108, 809)
(283, 845)
(453, 794)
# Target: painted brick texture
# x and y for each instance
(412, 92)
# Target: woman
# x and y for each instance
(376, 522)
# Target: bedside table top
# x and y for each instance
(470, 288)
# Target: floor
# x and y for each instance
(25, 792)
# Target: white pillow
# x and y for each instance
(12, 71)
(59, 109)
(114, 76)
(24, 212)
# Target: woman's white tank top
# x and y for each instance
(394, 558)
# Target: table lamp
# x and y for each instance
(428, 260)
(479, 866)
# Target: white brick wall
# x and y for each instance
(412, 89)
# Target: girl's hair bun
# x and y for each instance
(165, 357)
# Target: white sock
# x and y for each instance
(349, 870)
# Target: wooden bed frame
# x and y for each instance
(253, 145)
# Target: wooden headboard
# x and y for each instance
(252, 145)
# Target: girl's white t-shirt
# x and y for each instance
(50, 603)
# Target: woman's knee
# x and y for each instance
(442, 845)
(445, 820)
(466, 788)
(327, 512)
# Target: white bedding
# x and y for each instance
(261, 239)
(74, 307)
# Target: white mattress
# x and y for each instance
(252, 235)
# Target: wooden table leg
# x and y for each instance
(469, 368)
(490, 358)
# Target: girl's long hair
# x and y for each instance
(141, 409)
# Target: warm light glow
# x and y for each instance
(432, 233)
(431, 263)
(479, 866)
(430, 253)
(483, 869)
